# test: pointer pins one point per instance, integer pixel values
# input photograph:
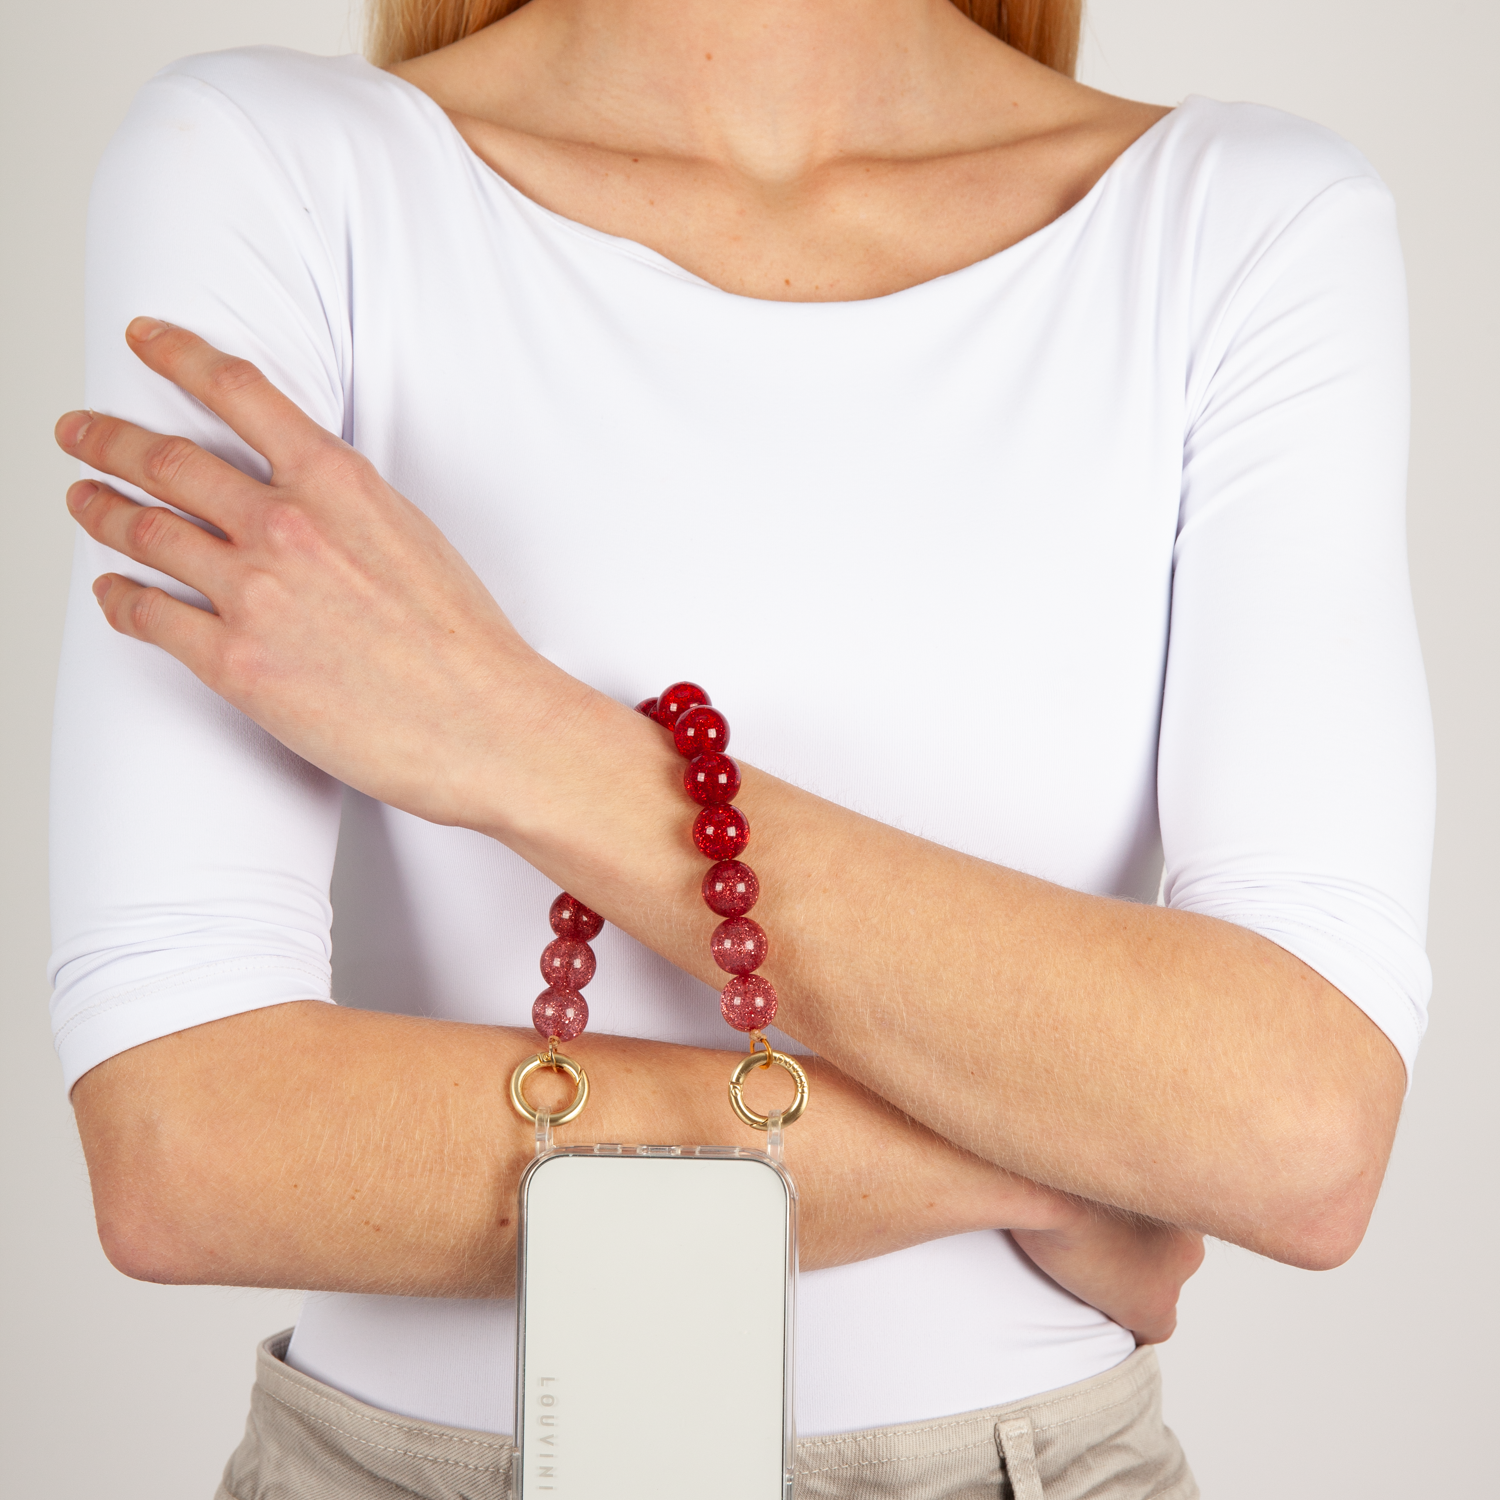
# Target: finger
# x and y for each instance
(232, 389)
(169, 468)
(151, 534)
(190, 634)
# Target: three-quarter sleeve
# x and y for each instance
(191, 852)
(1295, 766)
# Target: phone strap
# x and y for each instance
(739, 944)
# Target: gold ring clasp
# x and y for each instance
(759, 1059)
(553, 1059)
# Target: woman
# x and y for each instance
(1020, 468)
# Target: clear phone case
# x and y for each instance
(655, 1317)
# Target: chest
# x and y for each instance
(923, 544)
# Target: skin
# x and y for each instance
(822, 151)
(389, 1158)
(1115, 1071)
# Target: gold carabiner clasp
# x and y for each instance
(555, 1060)
(759, 1059)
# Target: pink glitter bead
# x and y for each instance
(570, 918)
(720, 832)
(559, 1013)
(748, 1002)
(730, 889)
(647, 706)
(712, 779)
(699, 730)
(567, 965)
(676, 701)
(738, 945)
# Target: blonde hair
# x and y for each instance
(402, 29)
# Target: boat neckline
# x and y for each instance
(654, 259)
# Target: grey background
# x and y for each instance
(1375, 1380)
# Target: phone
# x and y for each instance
(655, 1315)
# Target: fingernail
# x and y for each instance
(142, 330)
(85, 420)
(80, 495)
(101, 588)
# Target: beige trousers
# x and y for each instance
(1101, 1439)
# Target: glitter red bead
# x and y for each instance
(738, 945)
(699, 730)
(730, 889)
(748, 1002)
(676, 700)
(567, 965)
(720, 832)
(712, 779)
(559, 1013)
(570, 918)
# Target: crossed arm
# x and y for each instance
(1161, 1063)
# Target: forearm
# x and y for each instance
(1166, 1063)
(316, 1147)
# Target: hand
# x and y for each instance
(1131, 1269)
(343, 621)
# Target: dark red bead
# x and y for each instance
(567, 965)
(712, 779)
(676, 701)
(730, 889)
(738, 945)
(559, 1013)
(700, 730)
(748, 1002)
(570, 918)
(647, 706)
(720, 832)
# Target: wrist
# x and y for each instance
(590, 793)
(550, 760)
(1055, 1216)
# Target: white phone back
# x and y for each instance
(655, 1318)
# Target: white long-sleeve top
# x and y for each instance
(1087, 559)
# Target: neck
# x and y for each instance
(768, 87)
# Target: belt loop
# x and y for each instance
(1014, 1440)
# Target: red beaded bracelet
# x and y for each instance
(730, 889)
